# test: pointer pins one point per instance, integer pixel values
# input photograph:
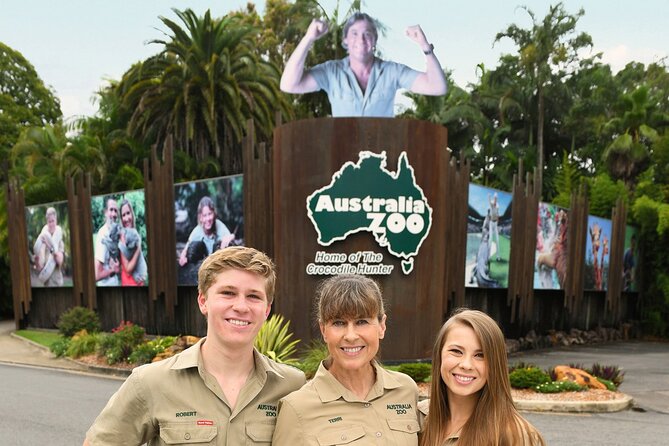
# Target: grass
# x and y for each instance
(45, 338)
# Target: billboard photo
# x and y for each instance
(597, 253)
(48, 229)
(119, 239)
(550, 260)
(488, 238)
(208, 216)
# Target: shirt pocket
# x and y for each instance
(343, 435)
(404, 425)
(180, 433)
(259, 433)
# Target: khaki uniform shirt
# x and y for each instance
(324, 413)
(423, 410)
(176, 401)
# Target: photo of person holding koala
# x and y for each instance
(119, 246)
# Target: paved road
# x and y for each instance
(646, 366)
(49, 407)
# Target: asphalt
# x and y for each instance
(646, 367)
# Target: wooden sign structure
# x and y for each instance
(305, 156)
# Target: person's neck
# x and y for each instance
(359, 381)
(461, 409)
(222, 360)
(361, 66)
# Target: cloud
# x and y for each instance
(619, 56)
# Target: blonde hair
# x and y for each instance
(51, 211)
(241, 258)
(348, 296)
(495, 420)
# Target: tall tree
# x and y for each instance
(24, 100)
(546, 51)
(200, 90)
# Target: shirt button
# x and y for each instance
(343, 437)
(186, 436)
(408, 427)
(378, 434)
(367, 404)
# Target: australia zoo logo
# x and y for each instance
(365, 196)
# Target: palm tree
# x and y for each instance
(44, 158)
(200, 90)
(545, 53)
(628, 154)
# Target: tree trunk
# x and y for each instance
(540, 140)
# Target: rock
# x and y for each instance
(580, 377)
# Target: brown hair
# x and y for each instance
(241, 258)
(358, 17)
(348, 296)
(495, 420)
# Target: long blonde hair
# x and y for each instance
(495, 421)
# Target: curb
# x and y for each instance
(81, 366)
(575, 406)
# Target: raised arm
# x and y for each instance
(433, 81)
(294, 79)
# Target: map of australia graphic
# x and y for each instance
(365, 196)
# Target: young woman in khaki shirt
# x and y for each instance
(352, 399)
(471, 404)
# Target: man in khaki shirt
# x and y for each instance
(221, 391)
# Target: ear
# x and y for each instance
(322, 327)
(269, 308)
(382, 327)
(202, 303)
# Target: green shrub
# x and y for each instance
(60, 346)
(609, 384)
(521, 365)
(611, 373)
(418, 371)
(311, 358)
(527, 377)
(82, 343)
(559, 386)
(145, 352)
(274, 340)
(76, 319)
(118, 345)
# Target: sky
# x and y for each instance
(76, 46)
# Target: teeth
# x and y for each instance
(238, 322)
(351, 349)
(464, 378)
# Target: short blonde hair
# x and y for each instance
(349, 296)
(241, 258)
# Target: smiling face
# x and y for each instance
(111, 212)
(353, 343)
(207, 218)
(463, 367)
(51, 223)
(360, 40)
(127, 218)
(235, 306)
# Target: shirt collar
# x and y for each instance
(329, 389)
(192, 357)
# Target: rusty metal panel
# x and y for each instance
(161, 232)
(305, 156)
(18, 250)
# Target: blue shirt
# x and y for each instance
(346, 96)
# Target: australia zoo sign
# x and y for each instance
(366, 197)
